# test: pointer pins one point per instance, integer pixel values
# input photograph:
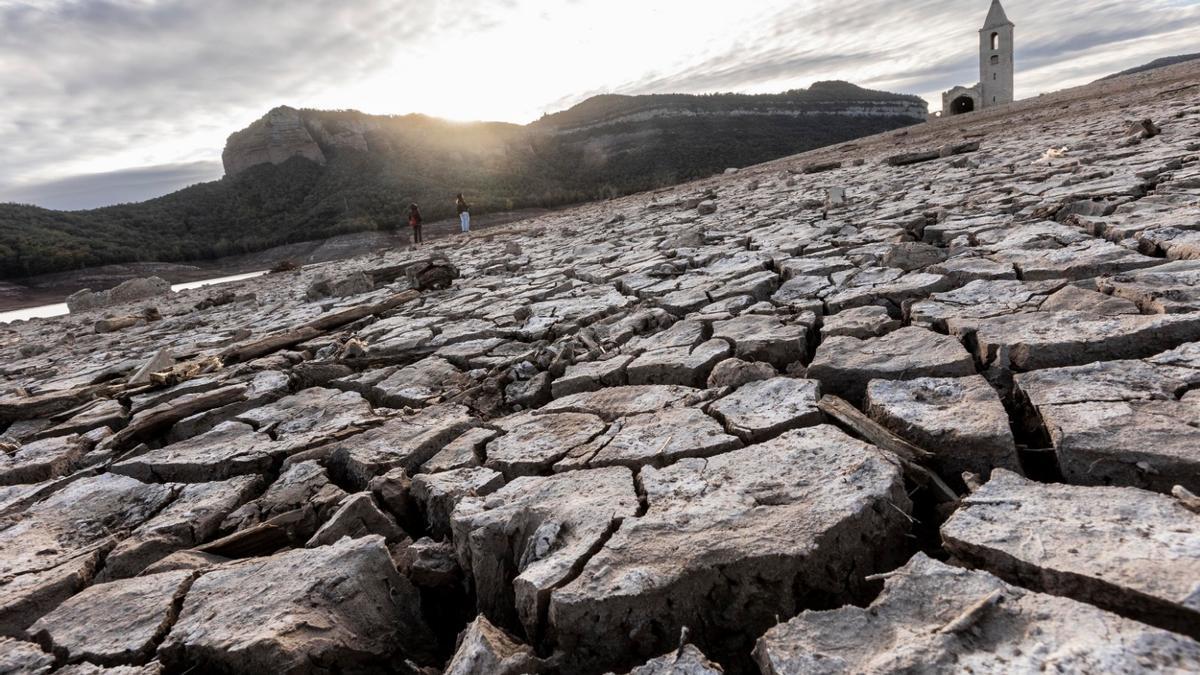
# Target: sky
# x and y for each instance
(109, 101)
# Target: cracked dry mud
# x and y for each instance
(949, 425)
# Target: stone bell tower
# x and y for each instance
(996, 58)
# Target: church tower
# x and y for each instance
(996, 58)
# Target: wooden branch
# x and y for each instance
(973, 614)
(906, 453)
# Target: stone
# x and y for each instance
(417, 385)
(913, 255)
(404, 442)
(764, 530)
(1037, 340)
(128, 291)
(736, 372)
(531, 444)
(687, 660)
(192, 519)
(935, 618)
(1121, 549)
(1144, 444)
(431, 564)
(117, 623)
(591, 376)
(305, 484)
(1074, 298)
(432, 274)
(43, 460)
(27, 597)
(706, 207)
(461, 453)
(231, 449)
(335, 607)
(764, 338)
(960, 420)
(310, 418)
(326, 287)
(275, 138)
(521, 542)
(860, 322)
(357, 516)
(762, 410)
(162, 360)
(484, 648)
(688, 367)
(844, 365)
(653, 439)
(25, 658)
(614, 402)
(438, 494)
(186, 560)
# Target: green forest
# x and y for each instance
(415, 158)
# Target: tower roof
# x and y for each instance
(996, 17)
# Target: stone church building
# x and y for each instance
(995, 68)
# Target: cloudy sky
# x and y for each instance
(120, 100)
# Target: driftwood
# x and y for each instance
(972, 614)
(14, 408)
(909, 455)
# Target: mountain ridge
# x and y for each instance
(302, 175)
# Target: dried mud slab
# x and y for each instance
(1122, 549)
(940, 619)
(731, 542)
(844, 365)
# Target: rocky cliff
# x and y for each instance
(280, 135)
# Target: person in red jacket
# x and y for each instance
(414, 221)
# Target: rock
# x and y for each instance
(162, 360)
(1144, 444)
(24, 658)
(484, 648)
(911, 256)
(357, 516)
(192, 519)
(533, 443)
(118, 623)
(342, 606)
(1074, 298)
(687, 660)
(529, 393)
(614, 402)
(736, 372)
(764, 338)
(325, 287)
(706, 207)
(932, 617)
(129, 291)
(185, 560)
(1121, 549)
(765, 530)
(231, 449)
(767, 408)
(432, 274)
(960, 420)
(844, 365)
(524, 540)
(592, 375)
(431, 564)
(402, 442)
(860, 322)
(277, 137)
(1037, 340)
(653, 439)
(53, 549)
(42, 460)
(461, 453)
(685, 366)
(300, 485)
(438, 494)
(310, 418)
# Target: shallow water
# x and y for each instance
(59, 309)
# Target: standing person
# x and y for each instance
(464, 213)
(414, 221)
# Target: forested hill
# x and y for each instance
(299, 175)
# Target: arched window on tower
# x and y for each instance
(995, 41)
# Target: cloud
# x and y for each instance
(92, 88)
(115, 187)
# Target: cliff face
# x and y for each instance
(280, 135)
(828, 111)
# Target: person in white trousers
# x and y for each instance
(464, 213)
